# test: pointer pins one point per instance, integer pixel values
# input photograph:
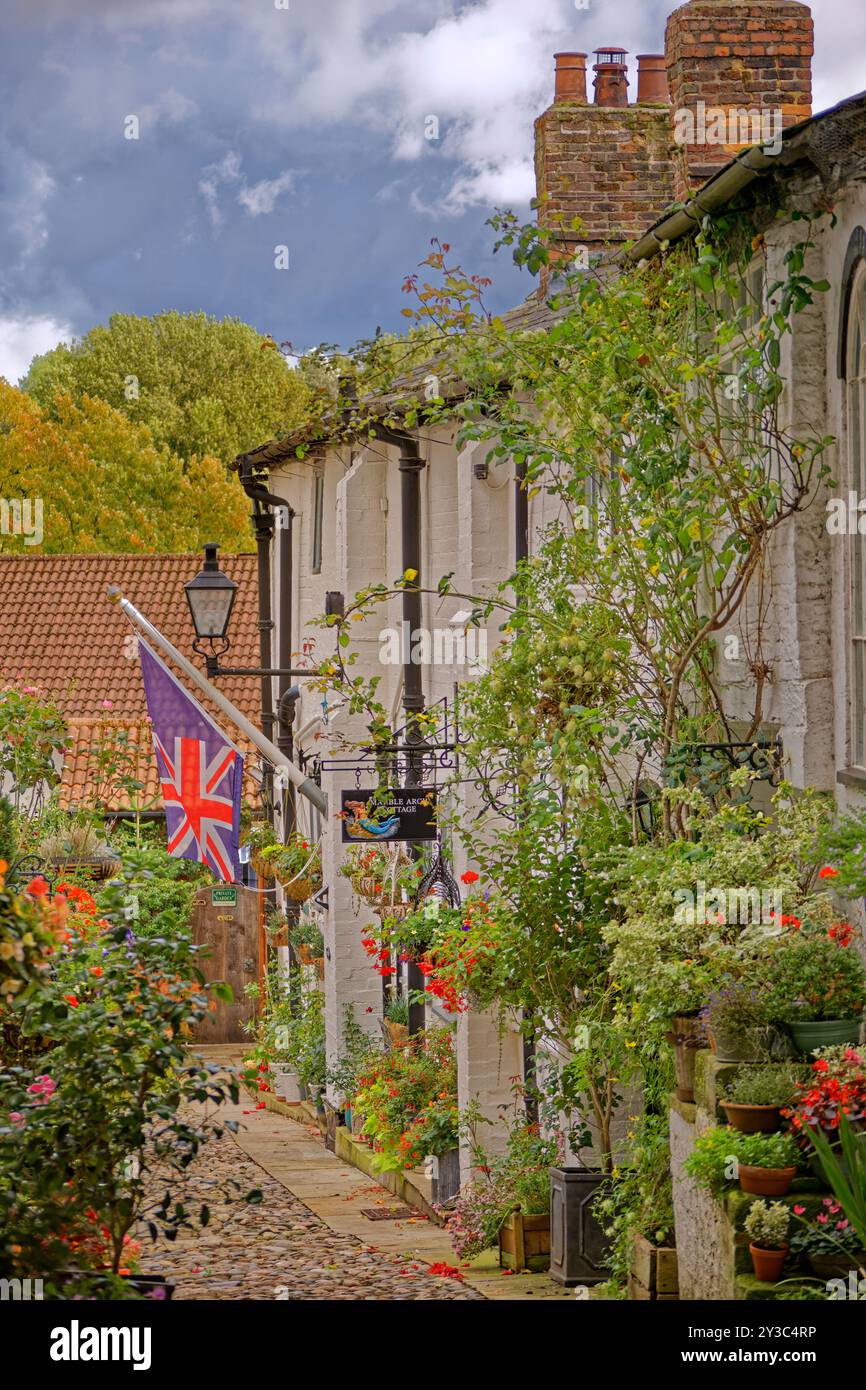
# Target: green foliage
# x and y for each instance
(357, 1048)
(816, 978)
(149, 499)
(408, 1098)
(714, 1160)
(77, 1156)
(519, 1176)
(845, 1171)
(8, 831)
(640, 1202)
(767, 1223)
(32, 734)
(200, 385)
(764, 1085)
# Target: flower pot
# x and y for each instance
(285, 1083)
(579, 1246)
(809, 1035)
(263, 869)
(524, 1242)
(753, 1119)
(734, 1047)
(396, 1033)
(395, 911)
(766, 1182)
(768, 1264)
(305, 953)
(687, 1035)
(319, 963)
(299, 890)
(836, 1266)
(279, 938)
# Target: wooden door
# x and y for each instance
(226, 920)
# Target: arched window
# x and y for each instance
(855, 378)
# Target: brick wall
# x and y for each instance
(737, 56)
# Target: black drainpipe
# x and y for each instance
(264, 503)
(521, 552)
(411, 466)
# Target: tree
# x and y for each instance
(202, 386)
(105, 486)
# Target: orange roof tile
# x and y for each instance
(60, 632)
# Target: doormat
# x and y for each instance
(386, 1213)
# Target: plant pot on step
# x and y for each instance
(734, 1047)
(753, 1119)
(579, 1247)
(524, 1242)
(766, 1182)
(836, 1266)
(826, 1033)
(285, 1083)
(687, 1036)
(768, 1264)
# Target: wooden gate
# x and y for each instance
(226, 919)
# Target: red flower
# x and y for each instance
(71, 1001)
(828, 872)
(37, 887)
(470, 876)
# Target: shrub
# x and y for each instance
(396, 1092)
(718, 1153)
(518, 1177)
(816, 978)
(766, 1224)
(766, 1085)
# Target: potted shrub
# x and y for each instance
(835, 1090)
(829, 1241)
(764, 1164)
(297, 865)
(308, 941)
(395, 1024)
(766, 1225)
(818, 988)
(754, 1098)
(737, 1022)
(767, 1163)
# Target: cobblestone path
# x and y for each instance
(278, 1249)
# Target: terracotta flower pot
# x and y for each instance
(305, 954)
(768, 1264)
(753, 1119)
(766, 1182)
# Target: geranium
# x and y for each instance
(837, 1086)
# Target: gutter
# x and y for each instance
(748, 166)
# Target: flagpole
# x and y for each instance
(305, 785)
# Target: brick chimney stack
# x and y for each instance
(607, 163)
(739, 73)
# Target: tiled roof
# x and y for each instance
(60, 632)
(125, 744)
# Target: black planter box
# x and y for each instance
(578, 1244)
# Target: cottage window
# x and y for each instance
(318, 514)
(856, 436)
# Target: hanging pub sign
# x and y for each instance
(402, 813)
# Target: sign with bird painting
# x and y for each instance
(401, 813)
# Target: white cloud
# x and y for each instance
(22, 339)
(225, 170)
(261, 197)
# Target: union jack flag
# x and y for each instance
(200, 771)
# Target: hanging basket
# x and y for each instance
(397, 912)
(264, 871)
(299, 889)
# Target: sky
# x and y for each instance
(349, 132)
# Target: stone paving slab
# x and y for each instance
(307, 1239)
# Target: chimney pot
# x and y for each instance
(611, 77)
(652, 79)
(570, 77)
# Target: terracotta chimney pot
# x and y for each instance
(570, 77)
(652, 79)
(611, 77)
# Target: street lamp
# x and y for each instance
(211, 597)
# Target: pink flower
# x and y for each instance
(822, 1219)
(29, 690)
(16, 1118)
(798, 1211)
(107, 704)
